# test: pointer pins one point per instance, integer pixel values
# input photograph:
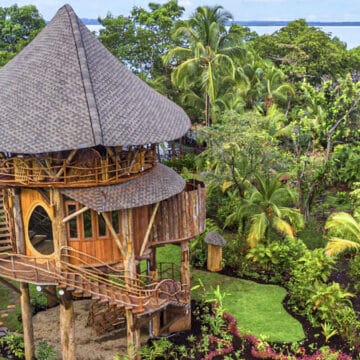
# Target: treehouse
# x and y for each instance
(84, 201)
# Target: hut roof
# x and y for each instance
(154, 186)
(214, 238)
(65, 91)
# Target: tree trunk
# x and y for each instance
(26, 317)
(26, 313)
(67, 327)
(133, 336)
(207, 109)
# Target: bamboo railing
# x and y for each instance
(109, 285)
(84, 167)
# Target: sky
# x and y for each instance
(242, 10)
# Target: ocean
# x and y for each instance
(348, 34)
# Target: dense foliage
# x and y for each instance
(276, 122)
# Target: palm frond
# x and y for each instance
(259, 224)
(337, 245)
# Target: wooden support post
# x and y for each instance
(67, 327)
(185, 280)
(26, 314)
(154, 324)
(185, 267)
(67, 319)
(26, 317)
(148, 230)
(59, 227)
(133, 336)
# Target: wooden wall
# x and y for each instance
(30, 199)
(179, 218)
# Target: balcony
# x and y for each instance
(77, 168)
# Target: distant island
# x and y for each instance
(87, 21)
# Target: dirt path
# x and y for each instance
(89, 346)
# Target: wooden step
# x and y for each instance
(6, 248)
(5, 242)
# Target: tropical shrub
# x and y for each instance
(354, 272)
(45, 351)
(277, 257)
(14, 343)
(313, 267)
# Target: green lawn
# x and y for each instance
(257, 307)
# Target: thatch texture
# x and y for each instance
(65, 91)
(159, 184)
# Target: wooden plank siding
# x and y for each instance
(178, 218)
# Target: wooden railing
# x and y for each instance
(111, 286)
(84, 167)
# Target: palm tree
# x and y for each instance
(207, 56)
(276, 89)
(349, 226)
(266, 209)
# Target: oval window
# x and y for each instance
(40, 231)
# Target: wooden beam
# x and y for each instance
(114, 234)
(133, 336)
(18, 224)
(68, 159)
(26, 313)
(148, 230)
(175, 241)
(9, 285)
(76, 213)
(67, 327)
(26, 317)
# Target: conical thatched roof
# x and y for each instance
(65, 90)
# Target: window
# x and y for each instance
(87, 225)
(40, 231)
(72, 224)
(101, 226)
(115, 221)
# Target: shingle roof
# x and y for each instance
(214, 238)
(157, 185)
(65, 90)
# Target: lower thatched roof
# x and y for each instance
(152, 187)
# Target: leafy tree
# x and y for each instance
(329, 115)
(207, 55)
(266, 208)
(141, 38)
(18, 26)
(304, 51)
(347, 225)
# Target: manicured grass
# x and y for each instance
(169, 253)
(256, 307)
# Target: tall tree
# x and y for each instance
(304, 51)
(207, 54)
(328, 115)
(18, 26)
(141, 38)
